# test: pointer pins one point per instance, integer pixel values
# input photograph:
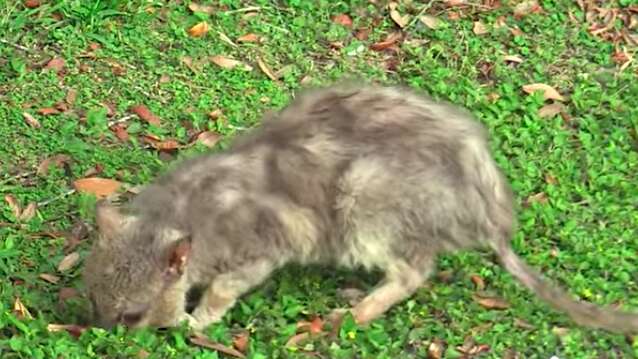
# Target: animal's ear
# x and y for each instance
(108, 218)
(177, 254)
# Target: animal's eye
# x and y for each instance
(132, 318)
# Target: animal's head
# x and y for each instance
(132, 268)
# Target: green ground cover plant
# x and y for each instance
(99, 97)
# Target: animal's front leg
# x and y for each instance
(225, 289)
(214, 304)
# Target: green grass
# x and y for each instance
(584, 236)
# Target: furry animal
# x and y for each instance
(367, 176)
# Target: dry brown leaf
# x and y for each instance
(401, 21)
(493, 96)
(523, 324)
(265, 69)
(14, 205)
(560, 331)
(549, 179)
(161, 145)
(342, 19)
(53, 279)
(73, 329)
(296, 339)
(453, 3)
(313, 327)
(56, 64)
(21, 310)
(500, 22)
(55, 160)
(516, 31)
(527, 7)
(93, 171)
(120, 132)
(550, 110)
(215, 114)
(540, 197)
(228, 63)
(240, 341)
(68, 261)
(194, 7)
(511, 354)
(477, 349)
(71, 96)
(199, 29)
(117, 69)
(549, 93)
(31, 4)
(61, 106)
(316, 325)
(143, 354)
(491, 302)
(110, 108)
(28, 212)
(250, 37)
(453, 15)
(430, 21)
(478, 282)
(208, 138)
(390, 40)
(45, 111)
(67, 293)
(512, 58)
(436, 349)
(492, 4)
(188, 62)
(100, 187)
(362, 34)
(145, 114)
(479, 28)
(620, 57)
(30, 120)
(207, 343)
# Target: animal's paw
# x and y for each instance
(203, 317)
(191, 321)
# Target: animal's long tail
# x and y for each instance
(583, 313)
(492, 187)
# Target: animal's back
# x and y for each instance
(395, 172)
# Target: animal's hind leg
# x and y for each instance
(400, 282)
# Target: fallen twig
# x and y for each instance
(425, 8)
(17, 46)
(245, 9)
(60, 196)
(120, 120)
(16, 177)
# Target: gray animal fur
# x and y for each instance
(379, 177)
